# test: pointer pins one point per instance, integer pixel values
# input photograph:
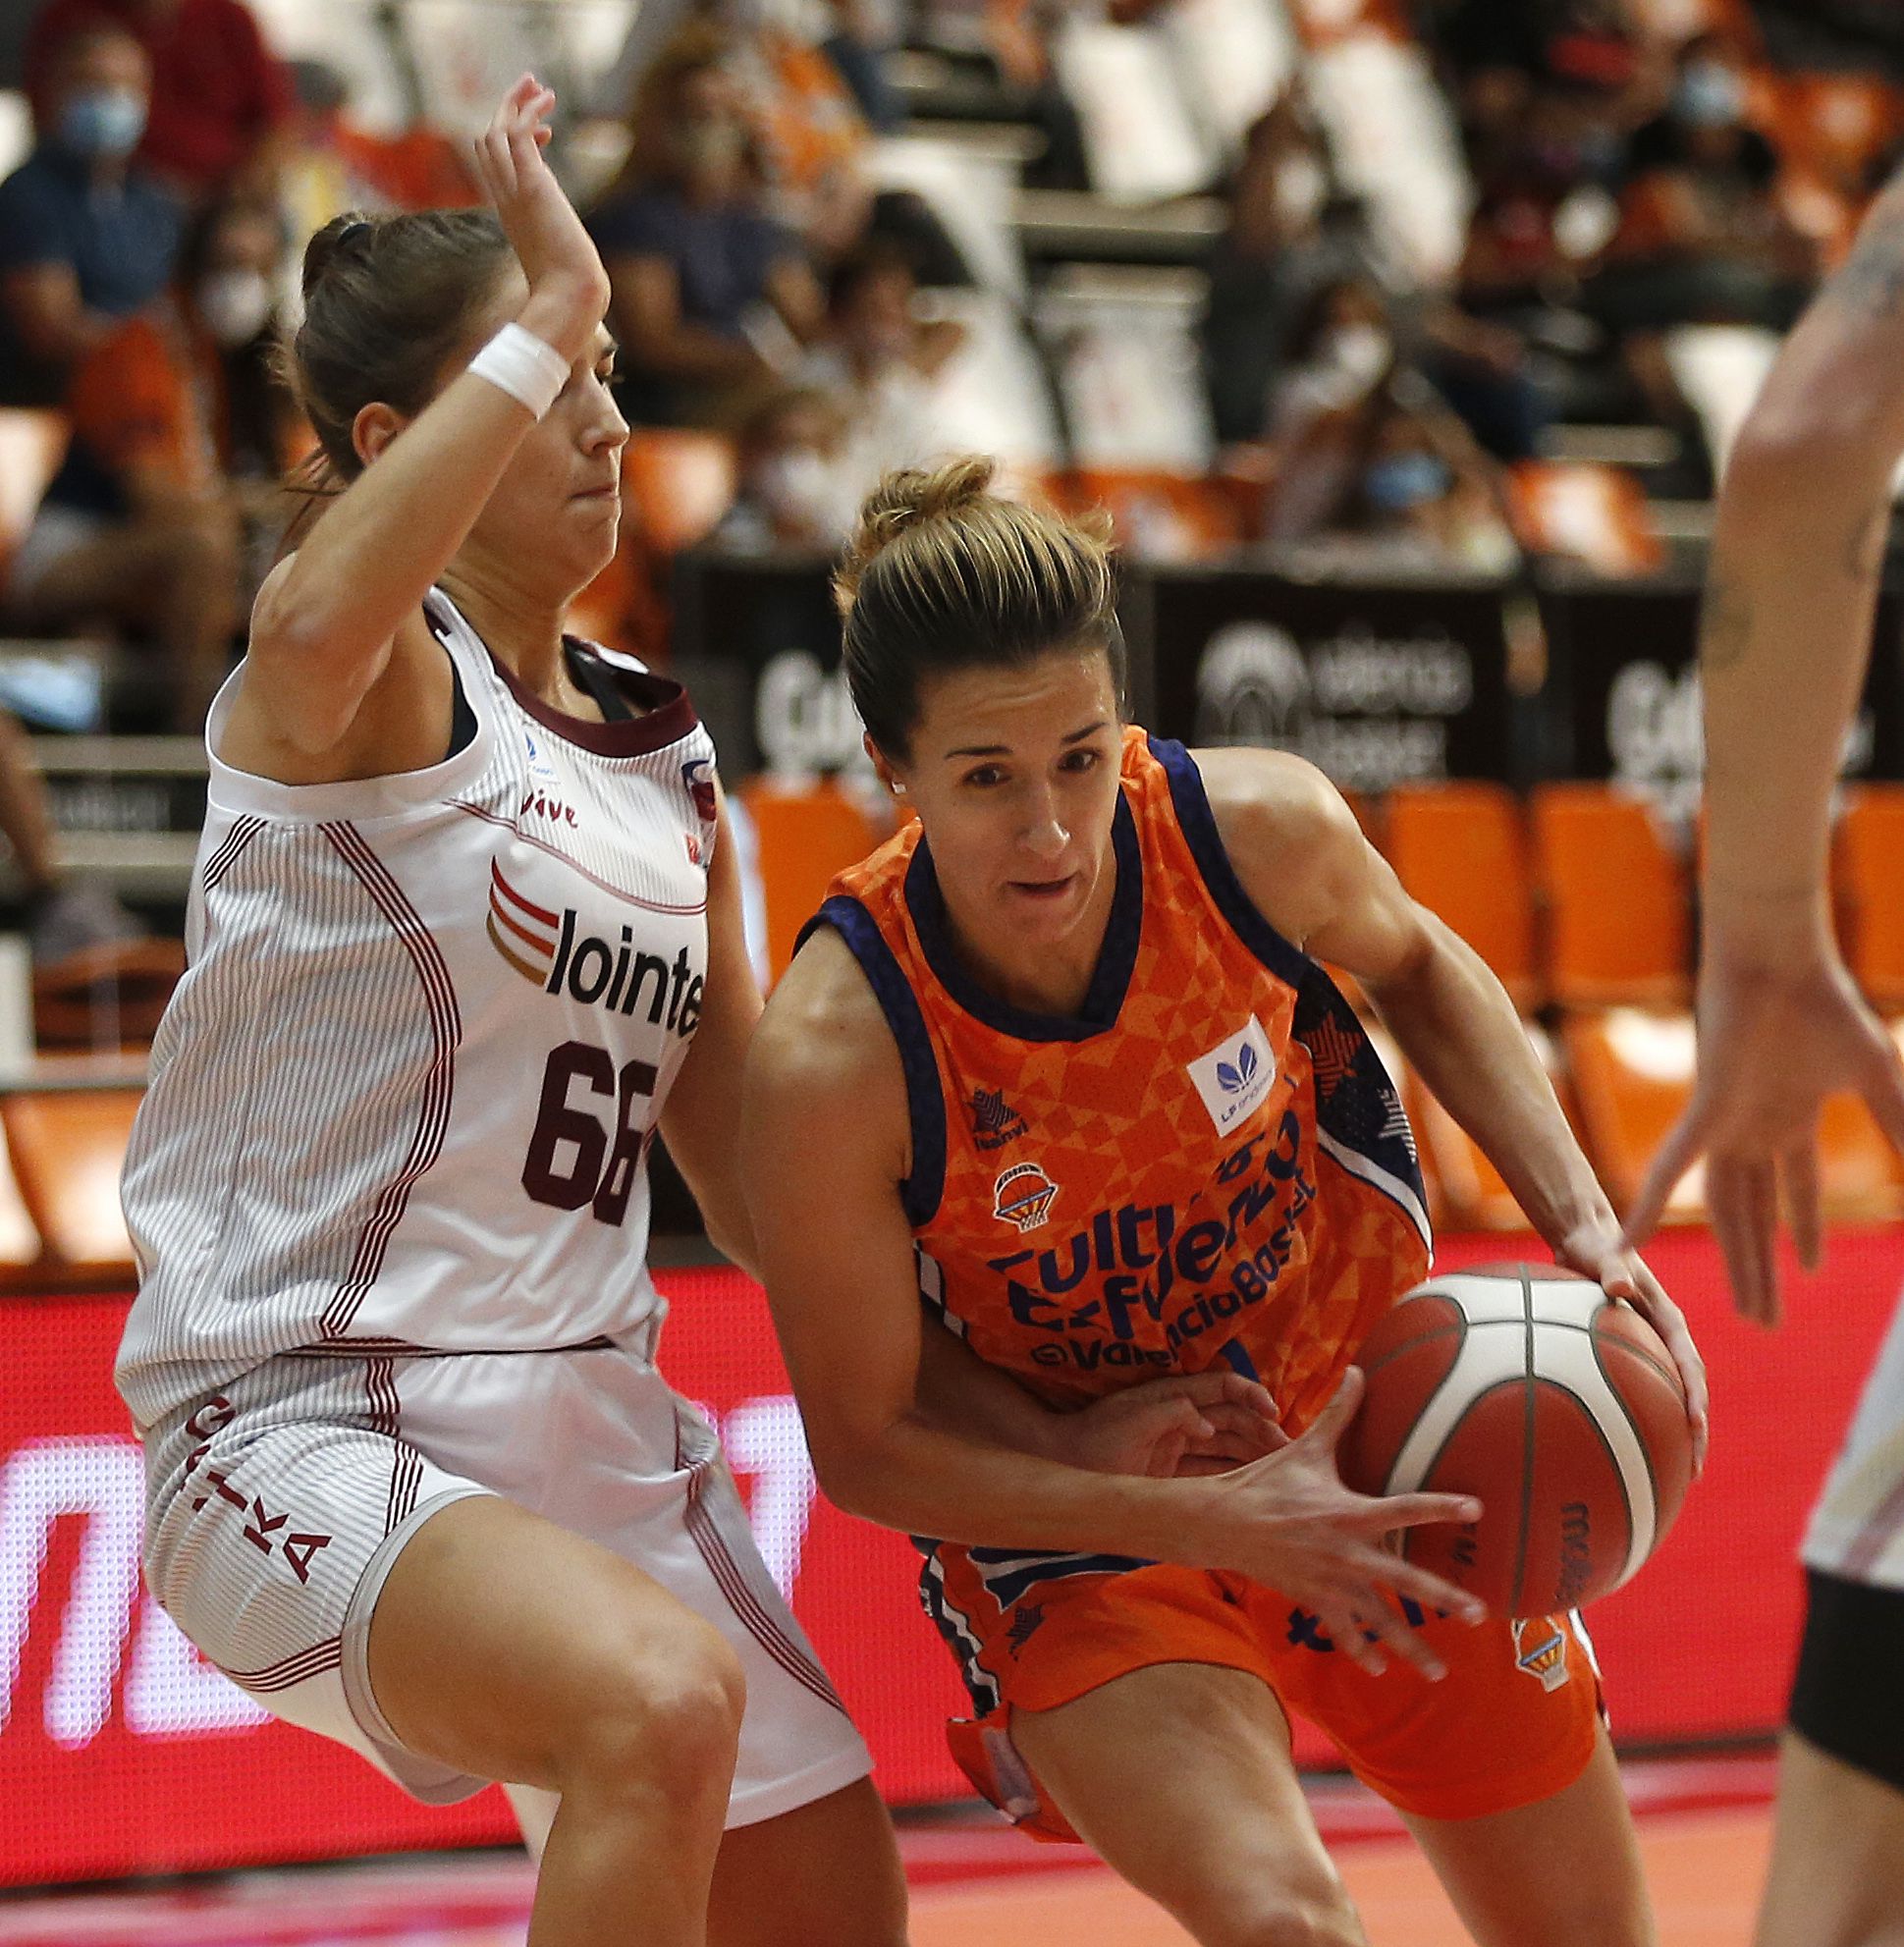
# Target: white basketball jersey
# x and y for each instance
(403, 1094)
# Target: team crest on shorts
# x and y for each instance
(1023, 1195)
(1544, 1658)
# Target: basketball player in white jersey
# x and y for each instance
(465, 930)
(1804, 516)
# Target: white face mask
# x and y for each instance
(1301, 185)
(1361, 352)
(235, 306)
(797, 488)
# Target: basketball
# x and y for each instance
(1557, 1407)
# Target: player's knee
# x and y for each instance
(1316, 1916)
(667, 1712)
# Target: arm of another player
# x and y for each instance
(1303, 859)
(328, 618)
(824, 1148)
(1791, 590)
(700, 1121)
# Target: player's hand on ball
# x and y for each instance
(1290, 1523)
(1596, 1250)
(537, 215)
(1196, 1423)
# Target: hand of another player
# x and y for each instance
(1196, 1423)
(1599, 1251)
(1778, 1032)
(537, 215)
(1289, 1520)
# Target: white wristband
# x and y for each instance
(520, 364)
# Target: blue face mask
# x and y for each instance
(1710, 95)
(1405, 480)
(102, 122)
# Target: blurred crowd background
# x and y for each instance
(1350, 287)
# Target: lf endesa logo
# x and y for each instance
(551, 951)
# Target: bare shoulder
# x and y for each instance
(1286, 828)
(823, 1055)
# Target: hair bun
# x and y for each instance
(907, 499)
(344, 240)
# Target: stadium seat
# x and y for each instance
(679, 482)
(804, 834)
(1461, 851)
(1581, 511)
(1158, 516)
(1633, 1074)
(67, 1150)
(1870, 860)
(32, 443)
(1617, 900)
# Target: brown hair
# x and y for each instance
(388, 301)
(942, 574)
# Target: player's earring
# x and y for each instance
(899, 789)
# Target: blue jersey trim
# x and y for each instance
(1198, 824)
(925, 1185)
(1103, 1000)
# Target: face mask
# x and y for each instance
(1710, 95)
(1301, 186)
(796, 487)
(102, 122)
(1406, 480)
(714, 143)
(1361, 352)
(234, 305)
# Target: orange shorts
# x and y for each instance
(1512, 1722)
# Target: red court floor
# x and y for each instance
(1704, 1828)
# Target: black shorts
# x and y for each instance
(1848, 1695)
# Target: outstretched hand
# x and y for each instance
(1289, 1520)
(1776, 1036)
(537, 215)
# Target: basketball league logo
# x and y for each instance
(1236, 1077)
(1546, 1657)
(1023, 1195)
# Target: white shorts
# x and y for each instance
(1857, 1529)
(276, 1509)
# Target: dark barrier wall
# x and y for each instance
(1376, 684)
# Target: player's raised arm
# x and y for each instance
(824, 1149)
(1303, 859)
(1791, 590)
(327, 618)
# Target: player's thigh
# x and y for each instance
(1180, 1775)
(1566, 1867)
(1837, 1856)
(509, 1648)
(827, 1874)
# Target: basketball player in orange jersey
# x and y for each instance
(1798, 556)
(1059, 1057)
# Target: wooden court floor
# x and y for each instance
(1705, 1870)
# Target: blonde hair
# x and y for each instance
(944, 574)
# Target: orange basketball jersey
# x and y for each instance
(1210, 1163)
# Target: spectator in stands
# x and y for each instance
(85, 236)
(1703, 237)
(143, 523)
(792, 496)
(221, 114)
(878, 360)
(711, 296)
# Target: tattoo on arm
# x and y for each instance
(1724, 625)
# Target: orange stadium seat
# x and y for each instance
(32, 443)
(1868, 853)
(67, 1150)
(679, 482)
(804, 835)
(1465, 1191)
(1617, 899)
(1461, 851)
(1157, 515)
(1585, 513)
